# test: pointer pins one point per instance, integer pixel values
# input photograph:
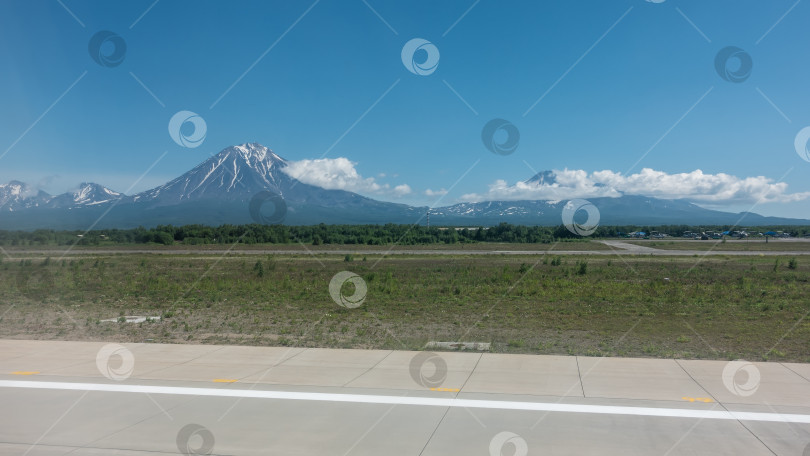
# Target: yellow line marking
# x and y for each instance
(698, 399)
(452, 390)
(225, 380)
(25, 372)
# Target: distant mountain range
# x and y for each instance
(17, 196)
(230, 187)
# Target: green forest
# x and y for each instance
(343, 234)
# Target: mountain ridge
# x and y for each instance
(250, 167)
(223, 188)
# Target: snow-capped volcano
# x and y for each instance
(88, 194)
(17, 195)
(543, 178)
(231, 174)
(223, 188)
(220, 190)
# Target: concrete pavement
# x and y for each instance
(92, 398)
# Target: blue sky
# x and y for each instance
(628, 84)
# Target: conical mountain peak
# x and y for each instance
(235, 173)
(253, 152)
(543, 178)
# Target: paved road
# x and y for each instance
(88, 398)
(630, 248)
(616, 248)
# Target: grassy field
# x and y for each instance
(718, 307)
(576, 245)
(753, 245)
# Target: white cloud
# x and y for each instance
(440, 192)
(340, 174)
(696, 186)
(401, 190)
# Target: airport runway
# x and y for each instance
(616, 248)
(92, 398)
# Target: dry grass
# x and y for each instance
(713, 308)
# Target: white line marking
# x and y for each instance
(423, 401)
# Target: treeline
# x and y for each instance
(281, 234)
(341, 234)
